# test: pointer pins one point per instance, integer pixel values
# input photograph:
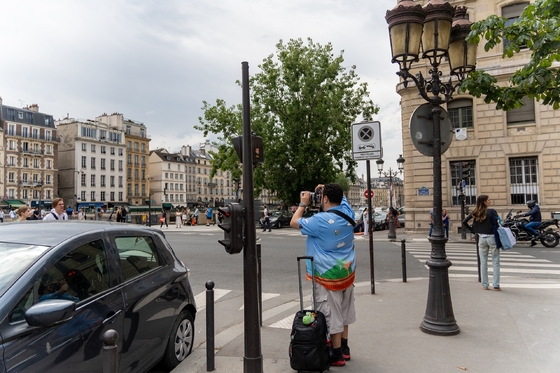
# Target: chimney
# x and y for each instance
(34, 107)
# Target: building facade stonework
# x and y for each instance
(510, 156)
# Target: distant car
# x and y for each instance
(278, 219)
(64, 284)
(359, 219)
(309, 213)
(380, 219)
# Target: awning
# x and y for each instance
(14, 203)
(167, 206)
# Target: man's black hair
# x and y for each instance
(333, 192)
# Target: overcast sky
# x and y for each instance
(156, 61)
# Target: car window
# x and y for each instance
(79, 275)
(137, 255)
(18, 313)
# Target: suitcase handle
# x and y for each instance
(299, 258)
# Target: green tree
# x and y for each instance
(538, 29)
(342, 180)
(303, 102)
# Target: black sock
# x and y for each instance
(337, 352)
(344, 342)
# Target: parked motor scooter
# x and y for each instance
(547, 236)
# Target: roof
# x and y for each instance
(51, 233)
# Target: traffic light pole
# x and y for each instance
(253, 360)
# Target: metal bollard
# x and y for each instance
(110, 351)
(403, 259)
(259, 280)
(210, 343)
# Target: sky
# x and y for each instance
(156, 61)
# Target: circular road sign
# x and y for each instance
(367, 193)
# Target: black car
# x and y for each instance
(63, 284)
(278, 219)
(380, 221)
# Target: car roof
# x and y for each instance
(51, 233)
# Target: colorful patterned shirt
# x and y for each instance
(330, 241)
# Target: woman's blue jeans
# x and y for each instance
(485, 245)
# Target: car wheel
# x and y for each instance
(279, 224)
(180, 342)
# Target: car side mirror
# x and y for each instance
(50, 312)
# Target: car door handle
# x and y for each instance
(111, 319)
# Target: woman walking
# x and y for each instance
(485, 225)
(163, 219)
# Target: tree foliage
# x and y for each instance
(303, 102)
(538, 30)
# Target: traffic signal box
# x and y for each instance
(233, 227)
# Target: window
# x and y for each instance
(127, 131)
(129, 159)
(120, 196)
(120, 165)
(129, 145)
(92, 180)
(11, 177)
(25, 162)
(35, 133)
(83, 180)
(25, 146)
(112, 151)
(102, 134)
(460, 113)
(463, 178)
(143, 147)
(102, 196)
(92, 196)
(524, 180)
(49, 149)
(102, 183)
(92, 163)
(143, 190)
(92, 148)
(12, 161)
(48, 194)
(112, 165)
(135, 146)
(48, 180)
(129, 173)
(11, 193)
(48, 134)
(84, 147)
(103, 151)
(112, 181)
(84, 162)
(129, 189)
(135, 174)
(136, 190)
(85, 273)
(49, 164)
(512, 13)
(83, 195)
(136, 163)
(112, 196)
(102, 163)
(24, 178)
(89, 132)
(120, 151)
(24, 194)
(524, 114)
(35, 163)
(29, 118)
(143, 161)
(120, 185)
(11, 115)
(12, 145)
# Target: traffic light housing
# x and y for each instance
(465, 171)
(233, 227)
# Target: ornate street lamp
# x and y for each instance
(390, 174)
(409, 23)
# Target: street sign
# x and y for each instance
(367, 193)
(366, 141)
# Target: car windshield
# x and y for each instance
(276, 213)
(15, 259)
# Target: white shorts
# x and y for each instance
(337, 306)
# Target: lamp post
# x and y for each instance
(409, 24)
(390, 174)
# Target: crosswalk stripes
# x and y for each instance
(464, 261)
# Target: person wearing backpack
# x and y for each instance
(57, 212)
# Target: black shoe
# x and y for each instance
(533, 243)
(337, 359)
(345, 351)
(264, 230)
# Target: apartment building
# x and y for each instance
(510, 156)
(29, 159)
(137, 153)
(92, 157)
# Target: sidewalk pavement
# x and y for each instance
(515, 330)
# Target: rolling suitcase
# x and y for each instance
(308, 346)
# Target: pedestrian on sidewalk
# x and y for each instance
(445, 222)
(330, 241)
(178, 216)
(163, 219)
(196, 215)
(266, 219)
(431, 222)
(485, 225)
(365, 219)
(209, 216)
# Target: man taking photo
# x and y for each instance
(330, 241)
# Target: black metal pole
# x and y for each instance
(403, 259)
(149, 209)
(210, 342)
(370, 230)
(439, 318)
(392, 236)
(462, 200)
(253, 361)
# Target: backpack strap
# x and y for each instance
(56, 217)
(343, 215)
